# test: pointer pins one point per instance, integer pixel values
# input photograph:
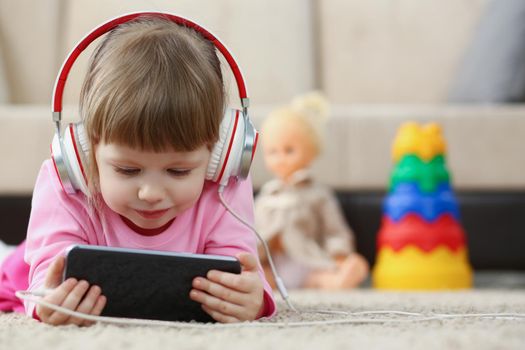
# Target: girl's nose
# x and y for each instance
(151, 193)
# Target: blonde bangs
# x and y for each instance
(156, 88)
(149, 120)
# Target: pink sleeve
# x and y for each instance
(229, 236)
(53, 226)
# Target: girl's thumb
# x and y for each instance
(54, 273)
(248, 261)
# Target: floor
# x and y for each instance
(363, 329)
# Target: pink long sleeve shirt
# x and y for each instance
(59, 220)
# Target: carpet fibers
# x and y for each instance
(19, 332)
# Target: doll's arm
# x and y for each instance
(270, 216)
(338, 236)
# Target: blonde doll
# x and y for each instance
(307, 234)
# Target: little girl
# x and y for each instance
(151, 105)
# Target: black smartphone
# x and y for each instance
(146, 284)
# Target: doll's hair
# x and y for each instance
(152, 85)
(309, 112)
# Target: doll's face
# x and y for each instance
(287, 148)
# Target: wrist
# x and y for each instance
(262, 309)
(35, 315)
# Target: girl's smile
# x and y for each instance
(152, 214)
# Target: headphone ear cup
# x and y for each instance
(77, 148)
(70, 155)
(225, 159)
(82, 143)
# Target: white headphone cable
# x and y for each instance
(278, 281)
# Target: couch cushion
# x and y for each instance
(29, 32)
(392, 51)
(493, 67)
(25, 135)
(3, 81)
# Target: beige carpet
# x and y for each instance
(19, 332)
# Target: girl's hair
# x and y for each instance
(153, 85)
(309, 113)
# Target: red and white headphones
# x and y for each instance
(232, 154)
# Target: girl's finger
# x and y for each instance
(56, 297)
(99, 305)
(70, 302)
(243, 283)
(54, 273)
(97, 309)
(216, 304)
(86, 305)
(220, 291)
(248, 261)
(218, 316)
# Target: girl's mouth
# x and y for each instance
(152, 214)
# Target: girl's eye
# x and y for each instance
(127, 171)
(179, 172)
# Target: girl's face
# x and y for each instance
(286, 149)
(150, 188)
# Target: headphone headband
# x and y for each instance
(231, 156)
(111, 24)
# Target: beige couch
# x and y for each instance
(379, 62)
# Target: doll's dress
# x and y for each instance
(309, 222)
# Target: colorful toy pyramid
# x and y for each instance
(421, 244)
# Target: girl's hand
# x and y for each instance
(228, 297)
(71, 294)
